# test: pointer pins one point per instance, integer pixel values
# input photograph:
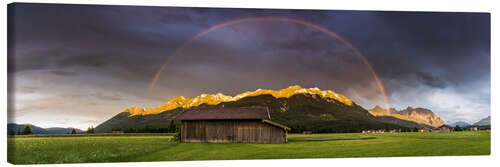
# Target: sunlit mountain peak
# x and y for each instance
(214, 99)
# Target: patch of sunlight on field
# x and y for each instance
(160, 148)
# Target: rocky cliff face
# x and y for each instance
(417, 115)
(214, 99)
(302, 109)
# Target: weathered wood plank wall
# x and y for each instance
(225, 131)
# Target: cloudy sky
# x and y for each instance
(75, 65)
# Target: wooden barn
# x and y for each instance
(224, 125)
(444, 129)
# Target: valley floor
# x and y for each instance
(41, 149)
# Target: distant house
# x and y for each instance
(394, 130)
(117, 132)
(473, 128)
(374, 131)
(224, 125)
(444, 129)
(424, 129)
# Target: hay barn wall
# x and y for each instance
(225, 131)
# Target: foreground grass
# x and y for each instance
(91, 135)
(42, 150)
(29, 150)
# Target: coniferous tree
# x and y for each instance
(18, 131)
(148, 129)
(90, 129)
(12, 132)
(171, 127)
(73, 131)
(457, 128)
(27, 130)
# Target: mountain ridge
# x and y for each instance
(40, 130)
(417, 115)
(214, 99)
(309, 109)
(483, 122)
(460, 124)
(302, 109)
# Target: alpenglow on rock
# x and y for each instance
(296, 107)
(214, 99)
(417, 115)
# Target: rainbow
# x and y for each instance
(272, 18)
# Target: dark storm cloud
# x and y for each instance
(430, 80)
(64, 73)
(453, 46)
(116, 51)
(136, 31)
(92, 36)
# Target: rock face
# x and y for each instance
(484, 122)
(214, 99)
(417, 115)
(302, 109)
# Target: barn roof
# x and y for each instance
(225, 113)
(276, 124)
(445, 126)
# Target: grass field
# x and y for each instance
(153, 147)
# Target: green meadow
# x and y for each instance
(44, 149)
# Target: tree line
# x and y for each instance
(26, 131)
(345, 128)
(467, 128)
(171, 128)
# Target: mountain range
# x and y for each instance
(214, 99)
(460, 124)
(12, 127)
(484, 122)
(300, 108)
(420, 116)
